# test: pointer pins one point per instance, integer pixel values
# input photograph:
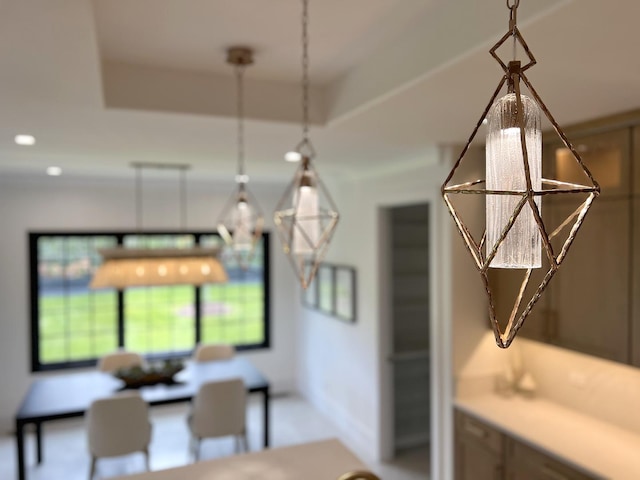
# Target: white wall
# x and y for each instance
(72, 204)
(600, 388)
(342, 367)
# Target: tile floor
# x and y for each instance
(293, 421)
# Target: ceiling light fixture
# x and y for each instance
(25, 140)
(306, 216)
(54, 171)
(515, 236)
(292, 156)
(241, 220)
(134, 267)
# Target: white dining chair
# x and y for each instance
(120, 359)
(118, 426)
(213, 351)
(219, 410)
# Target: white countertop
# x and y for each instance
(323, 460)
(594, 446)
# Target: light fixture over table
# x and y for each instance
(515, 235)
(135, 267)
(306, 216)
(241, 220)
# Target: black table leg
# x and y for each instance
(20, 450)
(265, 394)
(39, 441)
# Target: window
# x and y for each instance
(159, 319)
(73, 325)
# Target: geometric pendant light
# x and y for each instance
(519, 236)
(134, 267)
(241, 221)
(306, 216)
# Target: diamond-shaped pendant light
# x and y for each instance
(241, 221)
(516, 235)
(306, 216)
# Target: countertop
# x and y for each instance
(323, 460)
(596, 447)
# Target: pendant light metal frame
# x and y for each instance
(514, 73)
(124, 267)
(286, 217)
(240, 58)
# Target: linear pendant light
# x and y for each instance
(515, 236)
(135, 267)
(306, 216)
(241, 221)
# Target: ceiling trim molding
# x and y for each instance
(136, 87)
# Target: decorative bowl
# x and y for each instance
(136, 377)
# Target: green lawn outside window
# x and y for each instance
(75, 325)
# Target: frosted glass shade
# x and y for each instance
(242, 229)
(522, 246)
(306, 232)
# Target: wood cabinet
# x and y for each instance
(588, 300)
(592, 305)
(635, 255)
(483, 453)
(525, 463)
(479, 450)
(588, 305)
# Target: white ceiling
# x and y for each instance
(104, 83)
(192, 34)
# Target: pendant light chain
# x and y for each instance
(240, 110)
(305, 71)
(513, 21)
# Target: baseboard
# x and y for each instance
(355, 434)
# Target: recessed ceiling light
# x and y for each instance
(54, 171)
(27, 140)
(292, 156)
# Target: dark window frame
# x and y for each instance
(37, 366)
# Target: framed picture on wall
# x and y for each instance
(324, 281)
(345, 293)
(310, 295)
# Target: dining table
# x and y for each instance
(70, 395)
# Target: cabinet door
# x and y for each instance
(635, 239)
(479, 450)
(586, 306)
(524, 463)
(473, 462)
(590, 293)
(607, 156)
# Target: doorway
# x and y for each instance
(409, 307)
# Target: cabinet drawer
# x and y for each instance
(526, 463)
(470, 428)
